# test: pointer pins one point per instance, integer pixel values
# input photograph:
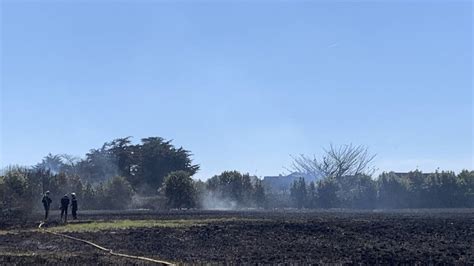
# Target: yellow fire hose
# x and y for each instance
(106, 249)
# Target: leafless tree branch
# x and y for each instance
(336, 162)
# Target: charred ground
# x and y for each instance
(265, 237)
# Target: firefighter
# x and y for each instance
(74, 205)
(46, 204)
(64, 206)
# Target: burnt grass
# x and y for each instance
(404, 237)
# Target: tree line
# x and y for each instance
(155, 174)
(143, 165)
(442, 189)
(108, 177)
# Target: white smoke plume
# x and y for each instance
(215, 201)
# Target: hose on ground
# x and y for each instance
(106, 249)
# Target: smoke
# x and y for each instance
(215, 201)
(146, 202)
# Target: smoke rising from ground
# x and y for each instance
(215, 201)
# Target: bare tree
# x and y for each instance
(337, 161)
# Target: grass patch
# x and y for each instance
(95, 226)
(19, 254)
(121, 225)
(12, 231)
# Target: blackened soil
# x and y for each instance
(271, 237)
(36, 248)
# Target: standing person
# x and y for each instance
(64, 206)
(74, 205)
(46, 204)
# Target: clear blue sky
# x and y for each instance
(241, 84)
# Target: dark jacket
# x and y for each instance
(64, 202)
(46, 201)
(74, 203)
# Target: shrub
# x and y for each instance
(117, 193)
(16, 196)
(179, 190)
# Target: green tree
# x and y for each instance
(417, 189)
(179, 190)
(312, 196)
(16, 193)
(358, 192)
(326, 191)
(99, 165)
(144, 165)
(52, 163)
(2, 193)
(441, 190)
(466, 186)
(100, 197)
(89, 200)
(298, 193)
(158, 158)
(118, 193)
(393, 191)
(232, 185)
(259, 194)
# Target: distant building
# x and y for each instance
(282, 183)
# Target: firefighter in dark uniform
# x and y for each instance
(46, 204)
(74, 205)
(64, 206)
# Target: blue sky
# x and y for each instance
(241, 84)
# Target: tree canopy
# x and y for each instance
(179, 190)
(143, 165)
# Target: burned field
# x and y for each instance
(251, 237)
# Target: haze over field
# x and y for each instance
(236, 132)
(242, 85)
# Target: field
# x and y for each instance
(436, 236)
